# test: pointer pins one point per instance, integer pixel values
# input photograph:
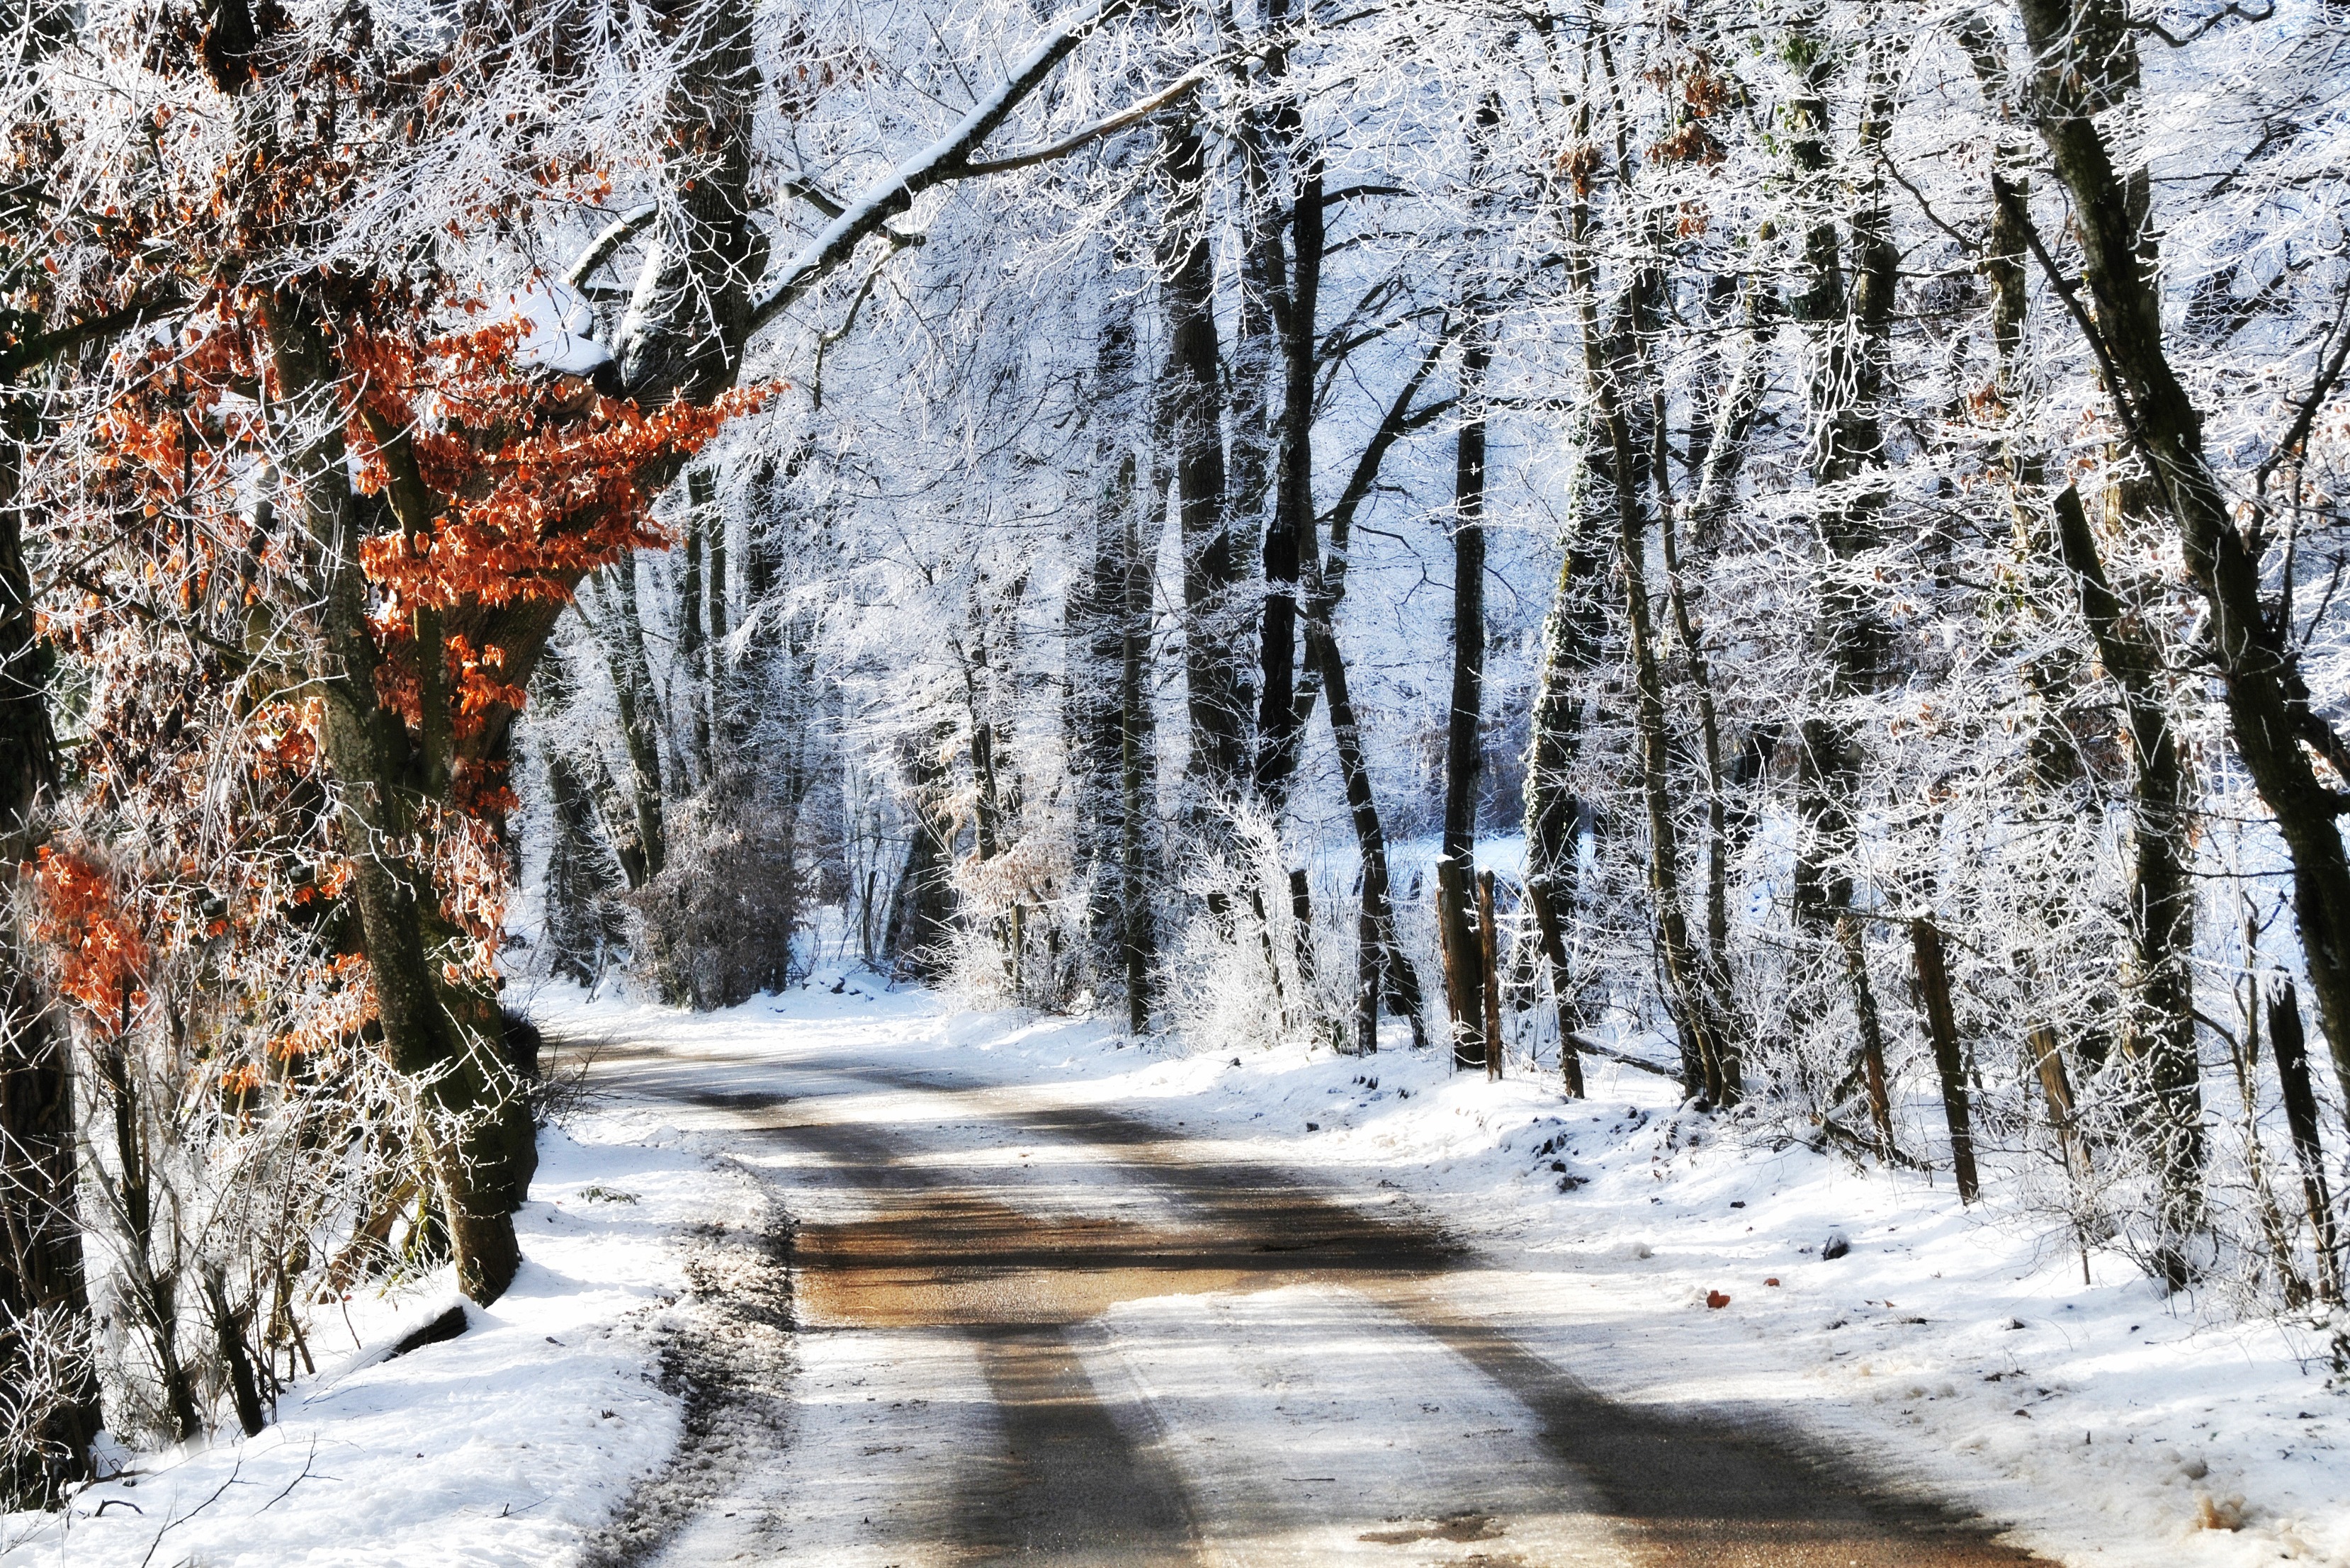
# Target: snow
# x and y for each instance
(505, 1445)
(557, 329)
(2102, 1422)
(1319, 1377)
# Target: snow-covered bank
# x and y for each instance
(505, 1445)
(2108, 1424)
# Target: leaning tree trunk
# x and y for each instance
(444, 1036)
(1571, 634)
(2159, 1035)
(2079, 73)
(1377, 926)
(1383, 969)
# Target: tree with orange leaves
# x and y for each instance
(450, 494)
(321, 511)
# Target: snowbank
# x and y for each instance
(505, 1445)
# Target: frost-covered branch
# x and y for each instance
(943, 162)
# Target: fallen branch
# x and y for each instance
(1586, 1042)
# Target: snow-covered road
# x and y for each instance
(849, 1276)
(1036, 1328)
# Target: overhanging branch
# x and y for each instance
(944, 161)
(46, 346)
(1131, 115)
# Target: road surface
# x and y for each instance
(1037, 1332)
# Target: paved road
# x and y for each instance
(1032, 1331)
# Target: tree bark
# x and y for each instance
(1942, 1023)
(1488, 939)
(1290, 543)
(1137, 806)
(692, 669)
(1377, 920)
(1850, 641)
(1190, 395)
(1095, 714)
(445, 1038)
(2160, 1034)
(1464, 738)
(1571, 637)
(691, 311)
(43, 1286)
(1709, 724)
(921, 913)
(2084, 60)
(1612, 462)
(2301, 1118)
(618, 629)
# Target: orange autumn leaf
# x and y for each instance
(102, 958)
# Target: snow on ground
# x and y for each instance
(505, 1445)
(1319, 1377)
(2110, 1424)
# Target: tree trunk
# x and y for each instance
(1553, 946)
(1614, 464)
(1190, 395)
(1941, 1023)
(690, 313)
(1137, 806)
(1290, 545)
(1571, 635)
(1464, 740)
(445, 1037)
(1379, 912)
(1716, 957)
(693, 667)
(1464, 983)
(2256, 657)
(921, 914)
(1871, 1031)
(2159, 1035)
(1488, 939)
(2301, 1118)
(619, 630)
(1850, 642)
(42, 1288)
(1095, 716)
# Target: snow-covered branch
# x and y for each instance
(942, 163)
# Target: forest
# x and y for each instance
(1789, 545)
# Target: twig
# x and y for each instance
(218, 1492)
